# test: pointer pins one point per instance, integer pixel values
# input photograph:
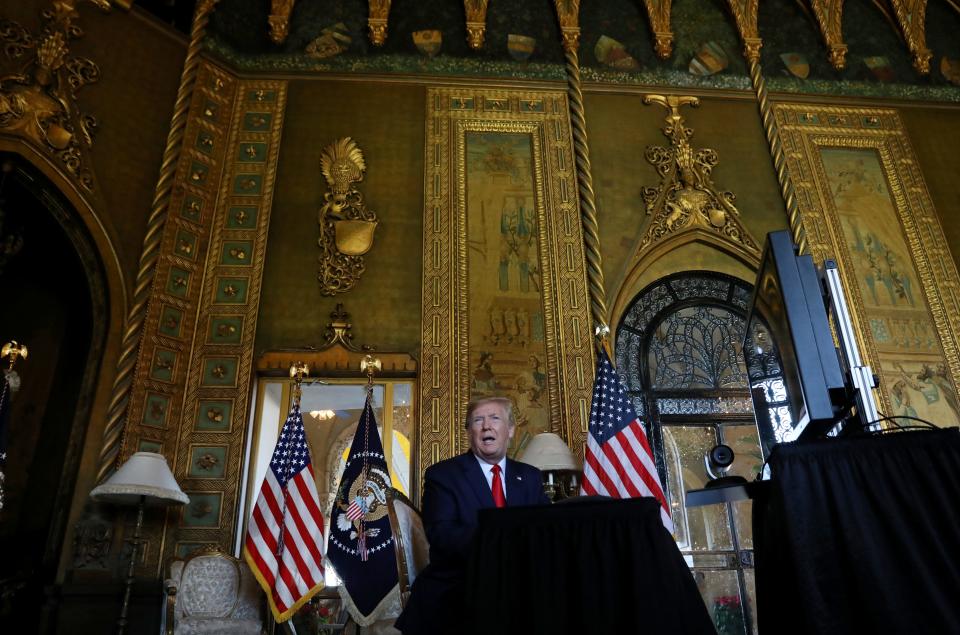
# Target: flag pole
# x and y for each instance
(297, 371)
(369, 365)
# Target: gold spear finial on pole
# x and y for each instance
(11, 351)
(298, 370)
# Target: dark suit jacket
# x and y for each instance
(453, 492)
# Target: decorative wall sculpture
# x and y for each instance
(505, 305)
(686, 199)
(346, 225)
(38, 102)
(863, 203)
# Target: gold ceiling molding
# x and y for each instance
(659, 12)
(279, 19)
(476, 21)
(568, 13)
(346, 225)
(829, 15)
(745, 15)
(912, 16)
(38, 102)
(377, 21)
(686, 199)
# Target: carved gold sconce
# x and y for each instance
(346, 225)
(686, 198)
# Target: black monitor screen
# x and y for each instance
(795, 375)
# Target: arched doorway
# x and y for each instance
(679, 352)
(54, 300)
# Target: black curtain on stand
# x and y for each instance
(861, 535)
(588, 566)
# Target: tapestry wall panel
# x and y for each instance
(505, 306)
(864, 204)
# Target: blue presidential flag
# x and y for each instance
(360, 546)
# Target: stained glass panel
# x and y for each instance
(698, 347)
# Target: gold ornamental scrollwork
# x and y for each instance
(377, 21)
(659, 13)
(279, 19)
(686, 198)
(912, 16)
(745, 15)
(38, 100)
(829, 14)
(346, 225)
(568, 14)
(476, 21)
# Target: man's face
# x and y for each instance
(490, 432)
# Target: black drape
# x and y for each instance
(861, 535)
(590, 566)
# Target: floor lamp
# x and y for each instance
(143, 480)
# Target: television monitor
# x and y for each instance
(796, 381)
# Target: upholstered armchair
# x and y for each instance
(212, 593)
(409, 540)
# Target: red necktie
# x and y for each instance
(497, 487)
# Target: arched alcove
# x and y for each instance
(55, 300)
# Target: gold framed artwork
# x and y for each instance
(863, 203)
(505, 304)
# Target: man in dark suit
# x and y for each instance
(454, 491)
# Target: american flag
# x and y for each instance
(618, 461)
(284, 544)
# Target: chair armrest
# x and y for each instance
(170, 590)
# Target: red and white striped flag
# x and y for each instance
(284, 544)
(618, 461)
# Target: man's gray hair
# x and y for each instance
(504, 402)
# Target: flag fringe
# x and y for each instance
(268, 591)
(378, 613)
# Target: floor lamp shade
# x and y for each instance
(144, 474)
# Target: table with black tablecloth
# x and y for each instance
(861, 535)
(590, 565)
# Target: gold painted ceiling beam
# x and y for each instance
(280, 19)
(377, 21)
(659, 12)
(476, 21)
(912, 16)
(829, 14)
(745, 15)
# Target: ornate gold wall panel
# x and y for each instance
(171, 323)
(505, 306)
(190, 394)
(209, 452)
(863, 203)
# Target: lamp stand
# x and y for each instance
(122, 622)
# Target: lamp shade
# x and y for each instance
(144, 474)
(547, 451)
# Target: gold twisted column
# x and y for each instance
(588, 206)
(779, 157)
(133, 325)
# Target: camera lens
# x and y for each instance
(721, 456)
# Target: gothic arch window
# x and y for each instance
(679, 352)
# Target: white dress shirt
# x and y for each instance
(488, 473)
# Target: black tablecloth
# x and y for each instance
(587, 566)
(861, 536)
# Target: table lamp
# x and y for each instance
(548, 453)
(144, 479)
